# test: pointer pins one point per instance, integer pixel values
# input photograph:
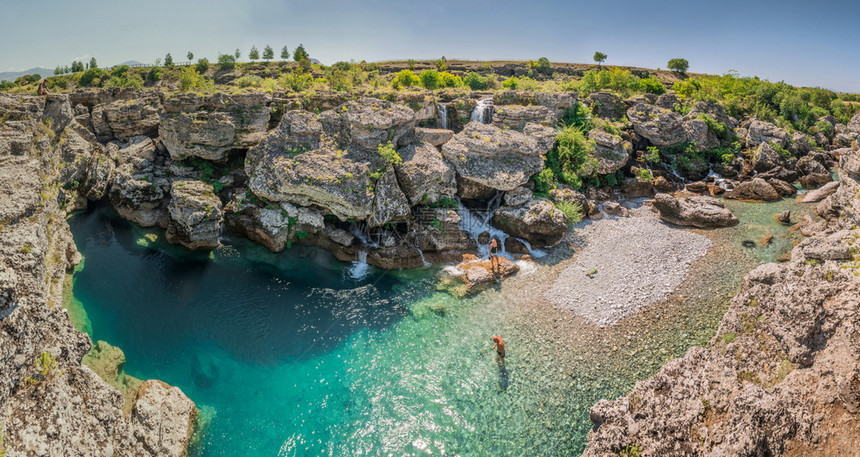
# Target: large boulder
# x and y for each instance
(699, 133)
(756, 189)
(433, 137)
(138, 200)
(124, 119)
(495, 158)
(699, 211)
(517, 116)
(766, 158)
(424, 175)
(162, 421)
(209, 127)
(99, 171)
(854, 124)
(821, 193)
(195, 215)
(759, 132)
(539, 222)
(661, 127)
(610, 151)
(366, 123)
(389, 202)
(275, 227)
(607, 105)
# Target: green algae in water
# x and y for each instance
(74, 307)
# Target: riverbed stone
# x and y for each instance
(698, 211)
(539, 222)
(755, 189)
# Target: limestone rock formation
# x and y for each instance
(433, 137)
(138, 200)
(516, 116)
(124, 119)
(389, 202)
(424, 175)
(821, 193)
(766, 158)
(162, 421)
(275, 228)
(756, 189)
(539, 222)
(607, 105)
(610, 151)
(209, 127)
(661, 127)
(195, 215)
(759, 132)
(492, 157)
(699, 211)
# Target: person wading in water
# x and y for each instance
(494, 258)
(499, 346)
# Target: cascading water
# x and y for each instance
(483, 111)
(442, 114)
(719, 181)
(360, 268)
(476, 224)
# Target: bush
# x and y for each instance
(652, 86)
(405, 78)
(297, 81)
(154, 74)
(450, 80)
(679, 65)
(249, 81)
(387, 152)
(476, 82)
(541, 66)
(202, 66)
(120, 71)
(91, 76)
(569, 159)
(615, 79)
(226, 61)
(189, 79)
(571, 210)
(429, 79)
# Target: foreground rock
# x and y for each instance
(781, 376)
(700, 211)
(50, 404)
(538, 222)
(755, 190)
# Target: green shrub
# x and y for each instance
(652, 86)
(511, 83)
(476, 82)
(120, 71)
(569, 158)
(571, 210)
(645, 174)
(202, 65)
(249, 81)
(449, 80)
(615, 79)
(579, 116)
(91, 77)
(631, 450)
(544, 181)
(226, 61)
(405, 78)
(824, 127)
(429, 79)
(387, 152)
(189, 79)
(297, 81)
(154, 74)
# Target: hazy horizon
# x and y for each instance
(779, 41)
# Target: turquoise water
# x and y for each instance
(287, 354)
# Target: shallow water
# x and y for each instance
(288, 354)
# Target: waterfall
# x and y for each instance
(475, 224)
(483, 111)
(361, 232)
(535, 253)
(442, 114)
(360, 267)
(421, 254)
(719, 181)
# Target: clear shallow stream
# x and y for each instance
(287, 354)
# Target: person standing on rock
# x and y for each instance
(494, 258)
(499, 346)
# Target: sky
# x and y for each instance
(803, 43)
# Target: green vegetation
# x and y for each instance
(285, 54)
(631, 450)
(599, 58)
(405, 78)
(254, 54)
(168, 60)
(728, 337)
(202, 66)
(189, 79)
(387, 152)
(268, 53)
(227, 61)
(571, 210)
(190, 56)
(679, 65)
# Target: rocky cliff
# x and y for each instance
(782, 376)
(51, 404)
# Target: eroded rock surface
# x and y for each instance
(700, 211)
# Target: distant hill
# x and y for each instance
(12, 75)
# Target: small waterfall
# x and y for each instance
(361, 232)
(360, 268)
(442, 114)
(719, 181)
(421, 254)
(475, 224)
(535, 253)
(483, 111)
